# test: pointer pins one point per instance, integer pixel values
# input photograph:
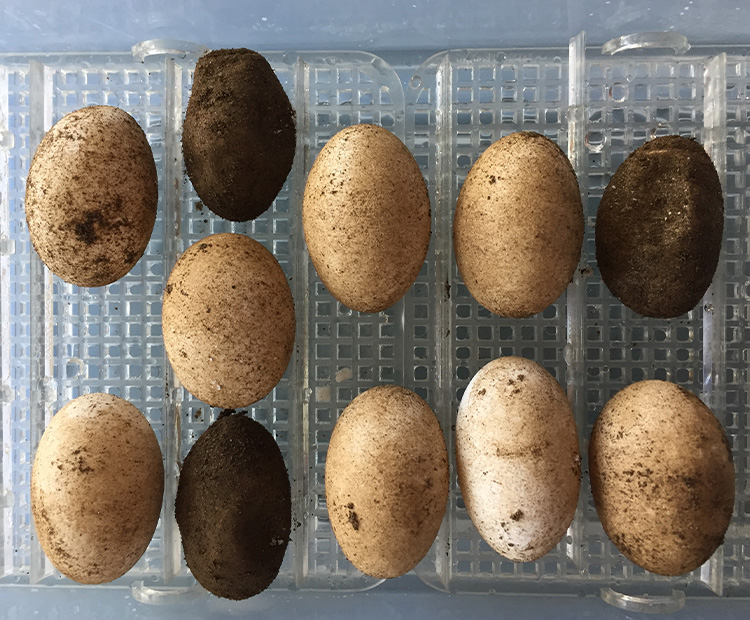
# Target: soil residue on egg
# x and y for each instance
(659, 227)
(239, 134)
(233, 507)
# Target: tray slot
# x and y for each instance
(575, 375)
(43, 387)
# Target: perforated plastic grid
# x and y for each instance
(458, 103)
(627, 103)
(338, 352)
(274, 229)
(737, 310)
(101, 342)
(349, 352)
(15, 303)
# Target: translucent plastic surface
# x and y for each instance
(598, 107)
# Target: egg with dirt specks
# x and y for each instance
(659, 227)
(386, 480)
(519, 465)
(228, 320)
(366, 218)
(96, 488)
(91, 196)
(518, 226)
(662, 477)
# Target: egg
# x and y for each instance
(366, 218)
(386, 480)
(91, 196)
(228, 320)
(659, 227)
(96, 488)
(238, 138)
(517, 456)
(662, 477)
(233, 508)
(518, 225)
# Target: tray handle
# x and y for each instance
(167, 47)
(647, 40)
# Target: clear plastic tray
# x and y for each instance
(597, 106)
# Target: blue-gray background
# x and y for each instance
(374, 25)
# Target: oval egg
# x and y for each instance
(96, 488)
(519, 466)
(366, 218)
(239, 137)
(518, 225)
(659, 227)
(662, 477)
(228, 320)
(233, 508)
(386, 480)
(91, 196)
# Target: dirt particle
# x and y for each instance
(354, 520)
(85, 228)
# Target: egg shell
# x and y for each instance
(517, 455)
(233, 508)
(91, 196)
(518, 225)
(662, 477)
(238, 138)
(228, 320)
(366, 218)
(386, 480)
(96, 488)
(659, 227)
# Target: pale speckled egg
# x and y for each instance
(518, 225)
(96, 488)
(662, 477)
(91, 196)
(386, 480)
(228, 320)
(366, 218)
(519, 465)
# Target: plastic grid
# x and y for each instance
(629, 102)
(123, 355)
(458, 103)
(274, 230)
(737, 309)
(337, 351)
(350, 352)
(15, 302)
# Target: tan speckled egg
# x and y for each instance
(366, 217)
(96, 488)
(518, 226)
(91, 196)
(662, 477)
(519, 466)
(228, 320)
(386, 480)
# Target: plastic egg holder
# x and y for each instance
(59, 341)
